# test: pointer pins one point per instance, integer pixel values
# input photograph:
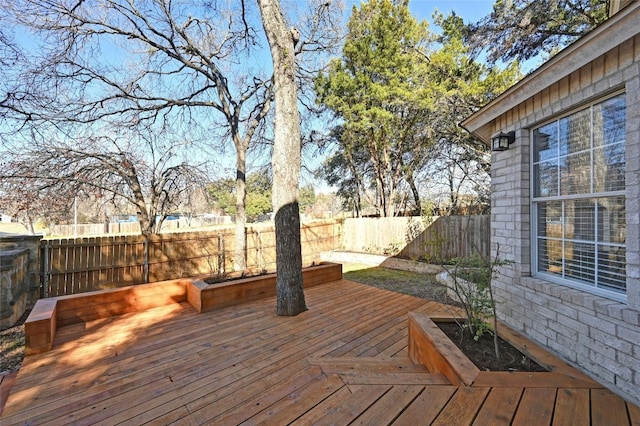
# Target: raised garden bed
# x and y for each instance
(430, 346)
(482, 353)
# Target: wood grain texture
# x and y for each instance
(344, 360)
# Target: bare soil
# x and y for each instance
(12, 346)
(482, 352)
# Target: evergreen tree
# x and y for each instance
(400, 93)
(377, 90)
(522, 29)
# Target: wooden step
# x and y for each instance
(374, 378)
(378, 371)
(377, 364)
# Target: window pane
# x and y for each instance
(550, 256)
(575, 132)
(546, 184)
(609, 121)
(580, 220)
(612, 273)
(550, 226)
(545, 142)
(579, 261)
(612, 226)
(550, 219)
(575, 174)
(609, 168)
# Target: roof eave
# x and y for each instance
(611, 33)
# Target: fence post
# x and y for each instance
(45, 271)
(259, 248)
(146, 259)
(221, 259)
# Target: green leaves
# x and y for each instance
(377, 90)
(522, 29)
(258, 202)
(400, 90)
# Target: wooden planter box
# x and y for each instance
(51, 313)
(207, 297)
(430, 346)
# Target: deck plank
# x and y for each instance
(386, 378)
(607, 408)
(313, 415)
(426, 407)
(572, 408)
(294, 404)
(463, 407)
(634, 414)
(352, 407)
(531, 380)
(499, 407)
(377, 364)
(387, 408)
(536, 407)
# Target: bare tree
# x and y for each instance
(285, 160)
(153, 61)
(146, 170)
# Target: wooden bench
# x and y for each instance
(49, 314)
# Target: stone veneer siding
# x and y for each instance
(19, 276)
(14, 285)
(599, 335)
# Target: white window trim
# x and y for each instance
(535, 273)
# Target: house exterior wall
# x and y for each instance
(599, 335)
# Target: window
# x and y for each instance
(578, 177)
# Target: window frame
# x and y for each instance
(537, 200)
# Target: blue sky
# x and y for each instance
(469, 10)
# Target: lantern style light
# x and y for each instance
(501, 141)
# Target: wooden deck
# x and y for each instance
(344, 361)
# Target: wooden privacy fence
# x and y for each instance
(429, 239)
(75, 265)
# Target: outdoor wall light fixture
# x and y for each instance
(501, 141)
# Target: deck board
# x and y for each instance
(462, 407)
(536, 407)
(572, 408)
(344, 360)
(499, 407)
(426, 407)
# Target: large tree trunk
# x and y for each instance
(285, 162)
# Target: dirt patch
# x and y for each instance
(482, 353)
(12, 346)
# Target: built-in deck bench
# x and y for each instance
(51, 313)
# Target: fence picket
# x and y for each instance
(87, 264)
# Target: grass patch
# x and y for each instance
(406, 282)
